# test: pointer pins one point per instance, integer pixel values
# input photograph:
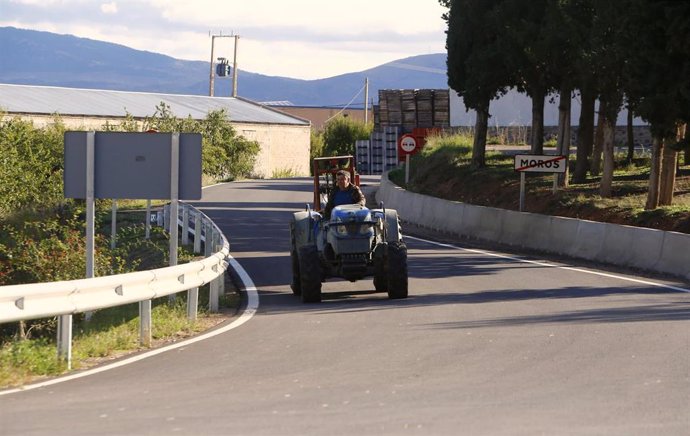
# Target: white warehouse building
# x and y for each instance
(284, 139)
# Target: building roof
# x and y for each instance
(46, 100)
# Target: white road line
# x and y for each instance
(550, 265)
(247, 314)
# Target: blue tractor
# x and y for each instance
(355, 243)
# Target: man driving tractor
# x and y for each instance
(344, 192)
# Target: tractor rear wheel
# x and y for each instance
(397, 270)
(310, 274)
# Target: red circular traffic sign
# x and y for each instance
(407, 144)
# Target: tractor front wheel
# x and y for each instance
(296, 284)
(310, 274)
(380, 276)
(397, 270)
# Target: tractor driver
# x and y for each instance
(343, 193)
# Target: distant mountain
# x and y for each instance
(41, 58)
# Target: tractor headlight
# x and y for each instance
(353, 229)
(365, 229)
(340, 229)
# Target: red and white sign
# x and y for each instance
(407, 144)
(532, 163)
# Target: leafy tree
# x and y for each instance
(533, 46)
(658, 77)
(225, 155)
(477, 68)
(340, 134)
(568, 24)
(128, 124)
(316, 144)
(31, 165)
(609, 55)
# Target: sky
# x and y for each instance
(304, 39)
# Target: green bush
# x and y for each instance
(340, 134)
(31, 165)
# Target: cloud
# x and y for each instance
(296, 38)
(109, 8)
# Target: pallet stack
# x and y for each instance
(379, 153)
(408, 109)
(363, 156)
(413, 111)
(425, 108)
(441, 108)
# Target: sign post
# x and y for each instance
(534, 163)
(407, 145)
(129, 165)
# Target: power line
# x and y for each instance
(347, 105)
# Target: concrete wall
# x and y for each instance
(283, 147)
(633, 247)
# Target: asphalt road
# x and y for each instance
(488, 343)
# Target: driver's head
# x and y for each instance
(342, 179)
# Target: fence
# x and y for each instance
(65, 298)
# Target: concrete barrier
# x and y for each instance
(627, 246)
(675, 254)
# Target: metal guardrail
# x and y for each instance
(41, 300)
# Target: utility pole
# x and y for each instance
(366, 100)
(212, 73)
(234, 68)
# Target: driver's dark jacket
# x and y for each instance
(355, 195)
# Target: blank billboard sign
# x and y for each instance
(133, 165)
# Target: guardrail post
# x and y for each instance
(147, 225)
(208, 240)
(113, 226)
(166, 218)
(185, 224)
(213, 296)
(173, 234)
(145, 323)
(64, 339)
(192, 303)
(197, 232)
(216, 241)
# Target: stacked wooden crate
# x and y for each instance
(441, 108)
(425, 108)
(393, 99)
(398, 112)
(408, 109)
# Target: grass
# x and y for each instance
(284, 173)
(443, 170)
(111, 332)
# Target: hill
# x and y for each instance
(42, 58)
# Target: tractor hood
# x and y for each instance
(350, 213)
